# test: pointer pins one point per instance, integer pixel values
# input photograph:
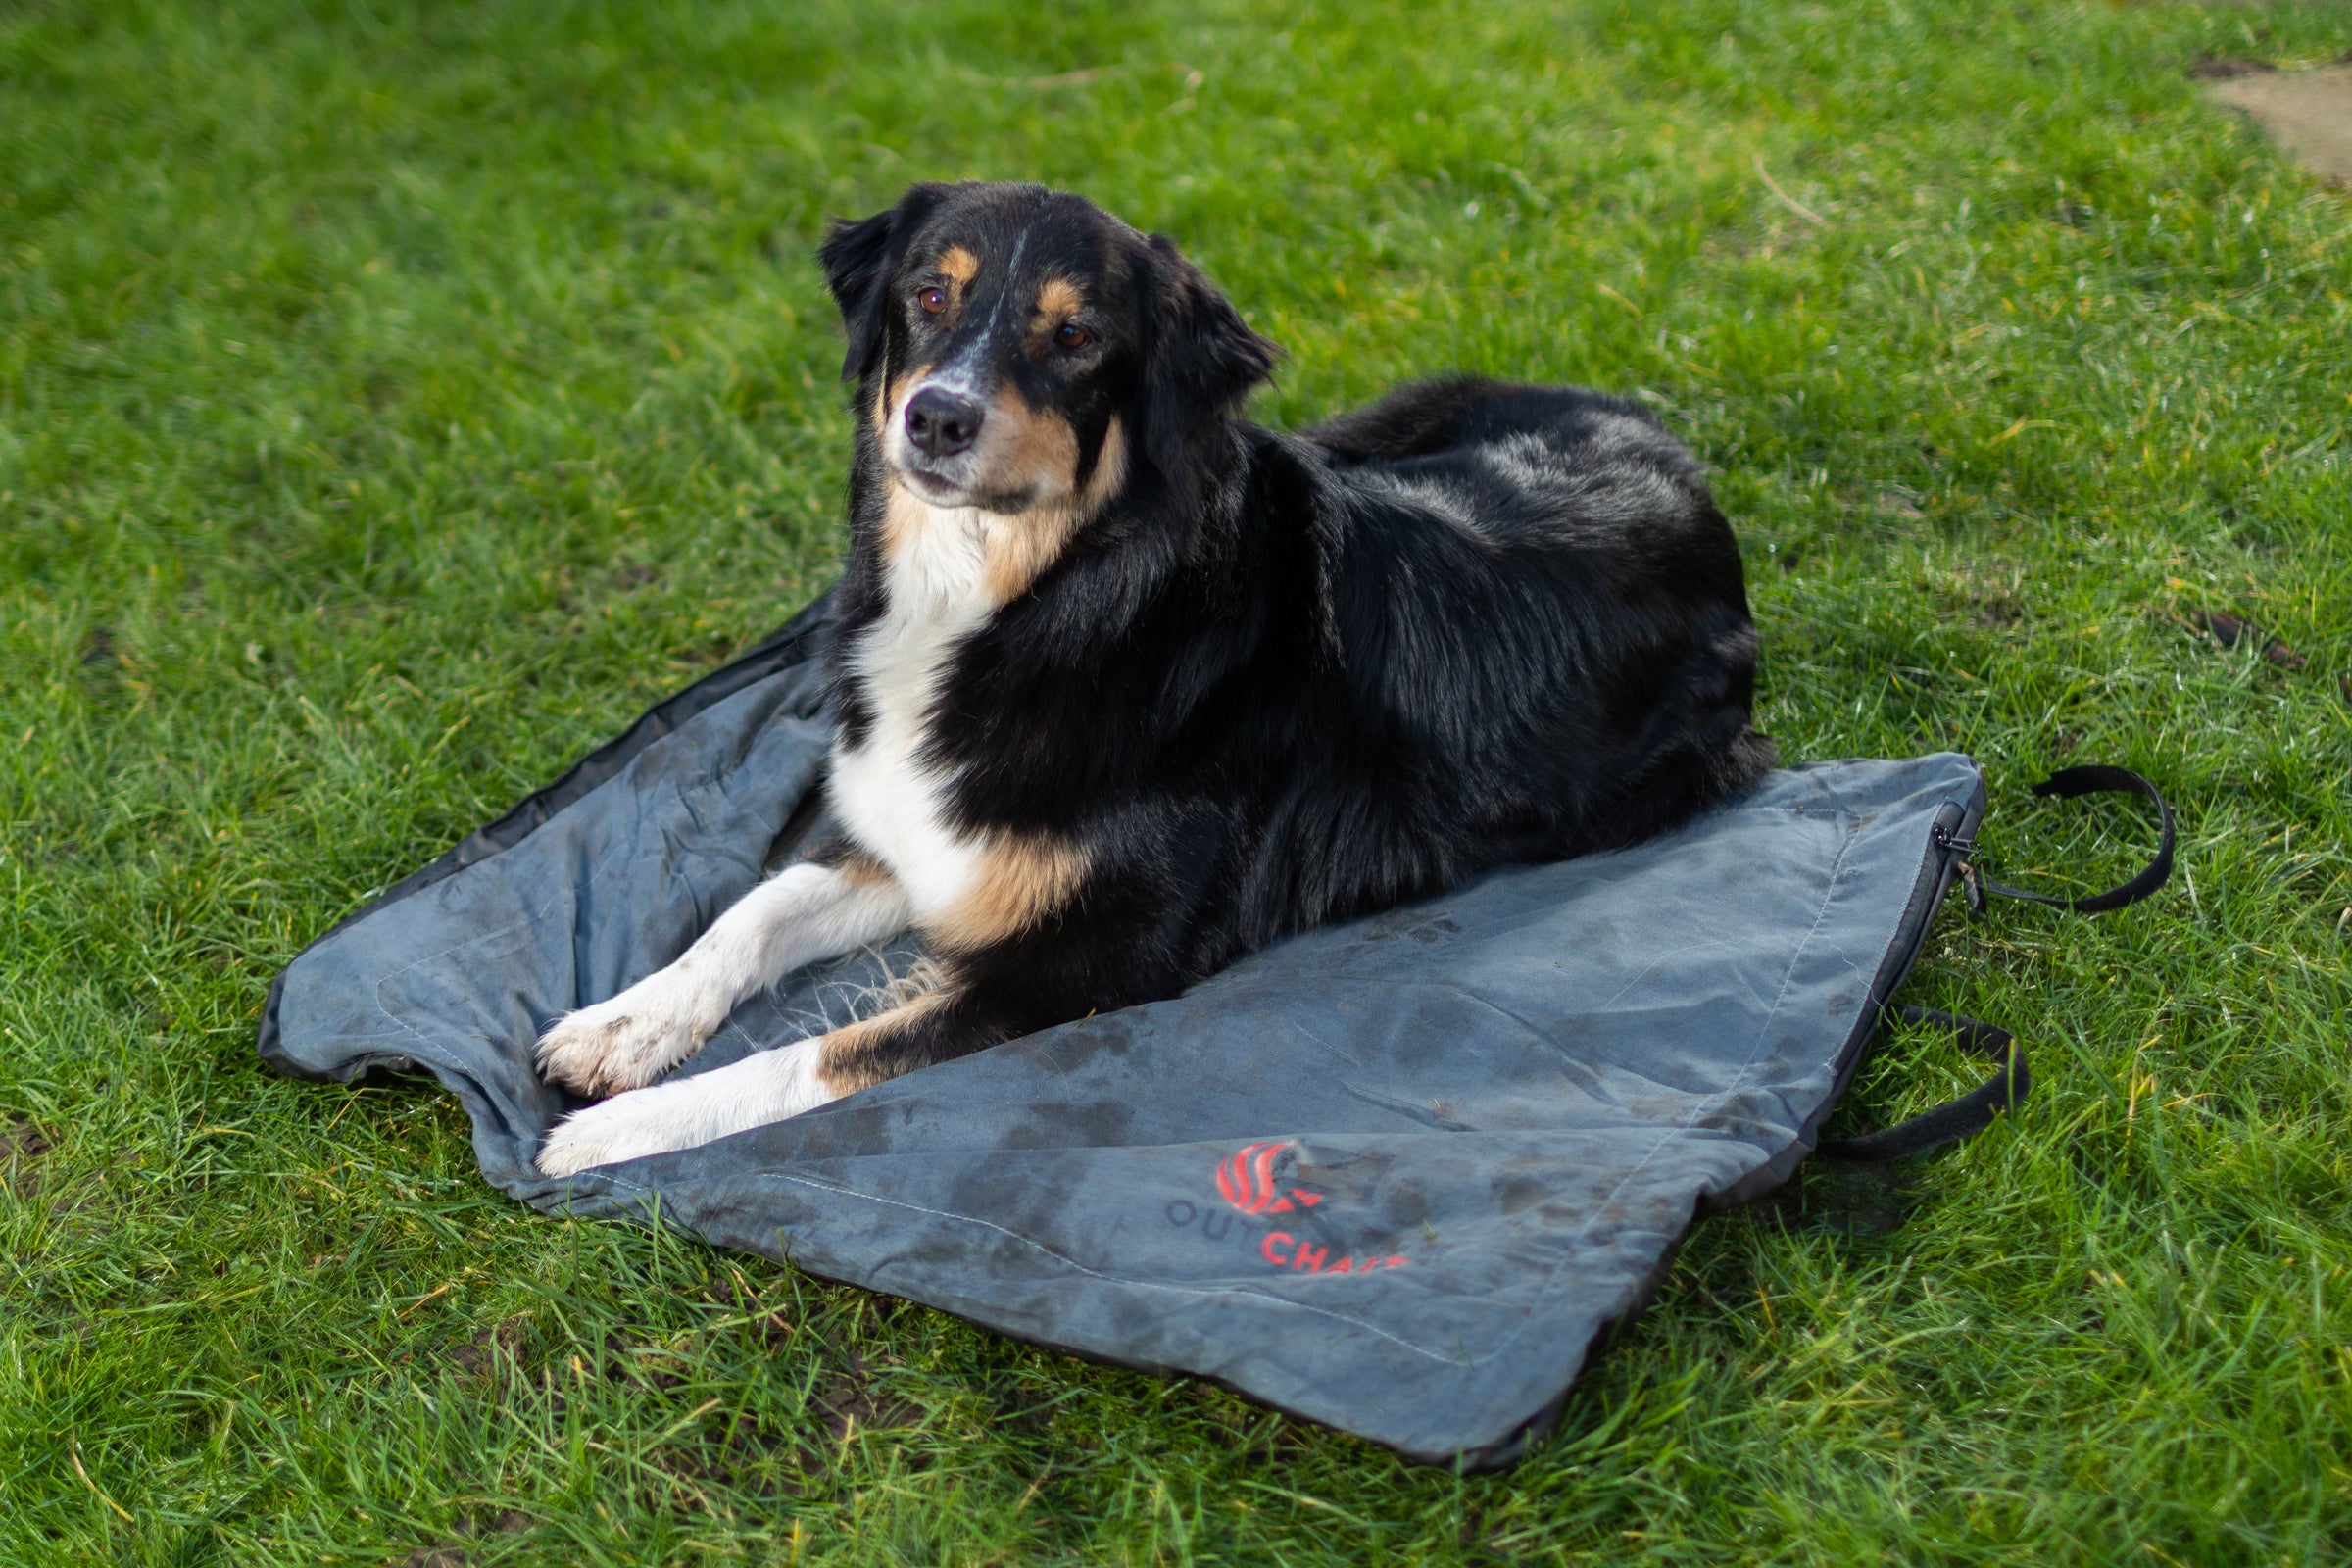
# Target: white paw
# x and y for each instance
(622, 1044)
(751, 1092)
(606, 1135)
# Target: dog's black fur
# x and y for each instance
(1257, 680)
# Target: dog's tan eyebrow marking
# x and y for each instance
(1060, 297)
(959, 265)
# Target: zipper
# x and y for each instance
(1964, 846)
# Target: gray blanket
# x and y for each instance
(1396, 1176)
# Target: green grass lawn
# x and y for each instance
(396, 398)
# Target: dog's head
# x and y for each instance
(1018, 348)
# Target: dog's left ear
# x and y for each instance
(859, 257)
(1201, 360)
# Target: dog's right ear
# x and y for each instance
(859, 256)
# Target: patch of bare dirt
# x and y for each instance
(508, 1522)
(491, 1350)
(22, 1146)
(2307, 113)
(850, 1401)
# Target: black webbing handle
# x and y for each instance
(2066, 785)
(1971, 1113)
(1974, 1113)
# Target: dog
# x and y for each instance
(1125, 687)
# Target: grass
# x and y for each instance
(395, 398)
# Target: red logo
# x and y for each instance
(1245, 1179)
(1246, 1182)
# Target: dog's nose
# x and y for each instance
(942, 423)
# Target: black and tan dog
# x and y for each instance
(1126, 688)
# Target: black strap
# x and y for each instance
(2066, 785)
(1971, 1113)
(1974, 1113)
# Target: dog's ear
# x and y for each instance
(1200, 360)
(858, 257)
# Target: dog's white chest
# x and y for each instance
(890, 800)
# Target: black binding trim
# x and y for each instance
(1959, 1118)
(2066, 785)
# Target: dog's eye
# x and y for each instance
(1070, 335)
(932, 300)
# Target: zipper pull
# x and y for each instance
(1964, 846)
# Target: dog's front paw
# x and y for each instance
(760, 1089)
(619, 1045)
(626, 1127)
